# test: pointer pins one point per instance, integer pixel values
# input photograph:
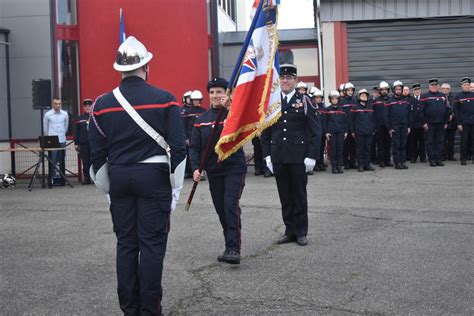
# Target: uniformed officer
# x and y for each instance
(375, 93)
(317, 96)
(435, 115)
(381, 130)
(362, 127)
(373, 150)
(290, 147)
(464, 111)
(142, 192)
(450, 133)
(190, 116)
(336, 126)
(397, 116)
(226, 178)
(81, 140)
(348, 101)
(417, 132)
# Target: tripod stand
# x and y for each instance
(41, 157)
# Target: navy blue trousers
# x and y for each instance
(140, 205)
(417, 144)
(383, 144)
(435, 141)
(399, 143)
(364, 146)
(291, 183)
(226, 191)
(336, 142)
(466, 136)
(85, 154)
(349, 151)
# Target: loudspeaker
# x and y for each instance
(41, 94)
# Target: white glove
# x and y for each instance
(309, 164)
(175, 198)
(268, 159)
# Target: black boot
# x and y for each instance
(433, 164)
(340, 170)
(369, 168)
(334, 169)
(397, 166)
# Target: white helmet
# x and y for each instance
(362, 91)
(398, 83)
(196, 95)
(186, 94)
(384, 85)
(301, 84)
(341, 86)
(348, 86)
(8, 181)
(131, 55)
(334, 94)
(315, 92)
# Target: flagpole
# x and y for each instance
(221, 110)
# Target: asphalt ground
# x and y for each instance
(389, 242)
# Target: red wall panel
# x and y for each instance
(175, 31)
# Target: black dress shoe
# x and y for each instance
(310, 173)
(382, 164)
(463, 163)
(221, 258)
(267, 174)
(404, 166)
(232, 257)
(360, 169)
(369, 168)
(397, 166)
(286, 239)
(317, 167)
(334, 169)
(423, 160)
(340, 170)
(433, 164)
(258, 172)
(439, 163)
(302, 241)
(389, 164)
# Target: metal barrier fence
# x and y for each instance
(25, 161)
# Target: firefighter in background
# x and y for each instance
(317, 97)
(348, 101)
(335, 125)
(464, 111)
(381, 129)
(190, 115)
(81, 140)
(417, 132)
(302, 88)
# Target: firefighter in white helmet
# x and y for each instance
(141, 170)
(302, 88)
(382, 136)
(317, 96)
(397, 119)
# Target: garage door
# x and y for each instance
(411, 51)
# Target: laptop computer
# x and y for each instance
(49, 141)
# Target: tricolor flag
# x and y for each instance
(123, 37)
(256, 102)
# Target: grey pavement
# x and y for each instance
(388, 242)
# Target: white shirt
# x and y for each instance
(56, 124)
(288, 96)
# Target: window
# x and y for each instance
(305, 57)
(68, 76)
(229, 8)
(66, 13)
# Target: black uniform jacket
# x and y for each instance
(296, 135)
(202, 130)
(116, 138)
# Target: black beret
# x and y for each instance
(465, 80)
(433, 81)
(87, 102)
(416, 85)
(217, 82)
(288, 69)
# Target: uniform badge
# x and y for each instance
(298, 104)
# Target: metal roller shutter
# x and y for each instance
(411, 51)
